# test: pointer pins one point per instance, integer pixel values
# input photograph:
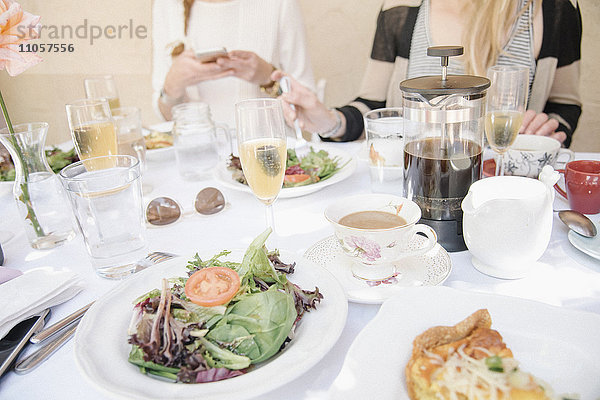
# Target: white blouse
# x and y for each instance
(273, 29)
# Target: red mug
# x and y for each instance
(582, 180)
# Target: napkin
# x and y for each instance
(34, 291)
(6, 274)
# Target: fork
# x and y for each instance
(152, 258)
(122, 271)
(301, 145)
(64, 329)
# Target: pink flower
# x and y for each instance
(16, 27)
(365, 248)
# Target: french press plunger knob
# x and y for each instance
(445, 52)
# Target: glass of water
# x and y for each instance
(195, 140)
(108, 205)
(384, 129)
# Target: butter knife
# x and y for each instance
(28, 363)
(18, 337)
(52, 329)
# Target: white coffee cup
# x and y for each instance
(530, 153)
(374, 251)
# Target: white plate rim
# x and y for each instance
(335, 313)
(160, 150)
(586, 245)
(433, 304)
(223, 176)
(385, 293)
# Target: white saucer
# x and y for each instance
(429, 269)
(590, 246)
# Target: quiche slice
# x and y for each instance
(468, 361)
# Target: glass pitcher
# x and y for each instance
(198, 146)
(40, 198)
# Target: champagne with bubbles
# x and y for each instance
(502, 128)
(95, 140)
(263, 162)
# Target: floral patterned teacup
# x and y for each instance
(530, 153)
(375, 252)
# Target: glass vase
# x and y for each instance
(41, 201)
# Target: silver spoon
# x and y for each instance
(578, 222)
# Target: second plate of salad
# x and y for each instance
(305, 174)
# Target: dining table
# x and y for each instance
(564, 276)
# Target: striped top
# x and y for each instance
(555, 88)
(518, 51)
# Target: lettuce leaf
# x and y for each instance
(257, 325)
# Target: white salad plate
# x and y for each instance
(101, 348)
(556, 345)
(223, 176)
(429, 269)
(590, 246)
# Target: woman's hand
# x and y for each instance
(248, 66)
(187, 70)
(540, 124)
(311, 113)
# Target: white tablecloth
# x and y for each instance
(567, 277)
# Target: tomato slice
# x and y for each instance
(296, 178)
(212, 286)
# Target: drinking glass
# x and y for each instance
(196, 140)
(108, 205)
(92, 129)
(506, 104)
(384, 129)
(102, 87)
(262, 149)
(130, 140)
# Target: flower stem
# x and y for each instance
(25, 185)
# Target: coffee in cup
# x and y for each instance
(376, 231)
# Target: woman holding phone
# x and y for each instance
(544, 35)
(191, 63)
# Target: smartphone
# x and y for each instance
(14, 341)
(211, 55)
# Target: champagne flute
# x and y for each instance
(103, 87)
(506, 104)
(92, 130)
(262, 149)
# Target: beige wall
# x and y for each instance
(339, 35)
(41, 93)
(587, 135)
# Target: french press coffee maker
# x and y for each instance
(443, 131)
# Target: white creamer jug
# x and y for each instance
(507, 222)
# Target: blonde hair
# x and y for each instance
(487, 30)
(187, 8)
